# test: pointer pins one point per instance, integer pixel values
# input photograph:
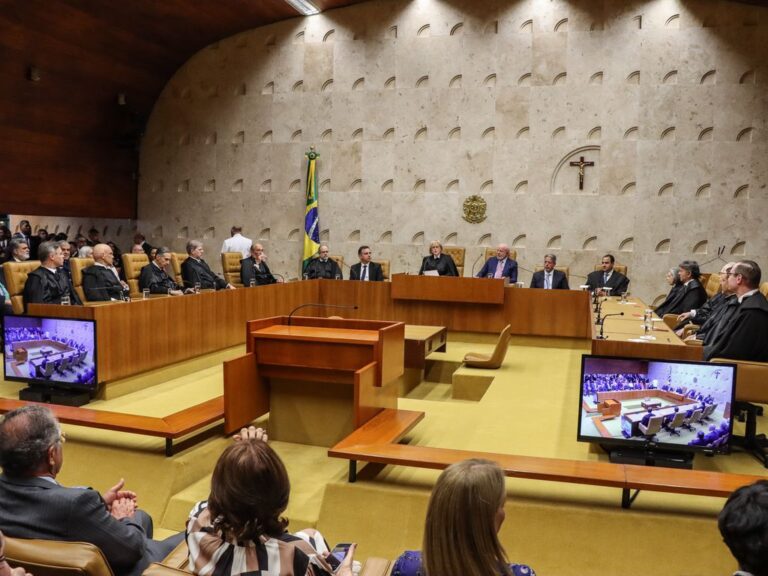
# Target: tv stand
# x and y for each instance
(50, 395)
(647, 455)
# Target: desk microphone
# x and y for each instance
(347, 306)
(602, 336)
(475, 263)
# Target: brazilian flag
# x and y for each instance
(311, 217)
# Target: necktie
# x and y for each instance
(364, 275)
(548, 284)
(605, 278)
(499, 268)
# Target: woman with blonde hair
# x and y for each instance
(464, 516)
(438, 262)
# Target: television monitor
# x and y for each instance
(56, 353)
(660, 405)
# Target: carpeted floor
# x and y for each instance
(531, 408)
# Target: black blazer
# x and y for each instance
(194, 271)
(444, 265)
(559, 280)
(156, 279)
(618, 283)
(101, 284)
(248, 272)
(45, 287)
(685, 299)
(329, 269)
(375, 273)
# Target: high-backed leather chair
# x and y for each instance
(76, 266)
(177, 259)
(384, 268)
(564, 269)
(490, 252)
(132, 265)
(54, 558)
(712, 285)
(764, 289)
(457, 253)
(620, 268)
(339, 260)
(15, 277)
(230, 266)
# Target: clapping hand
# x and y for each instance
(251, 433)
(117, 493)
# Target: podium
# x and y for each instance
(319, 378)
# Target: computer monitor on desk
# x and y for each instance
(641, 410)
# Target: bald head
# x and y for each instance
(103, 254)
(502, 251)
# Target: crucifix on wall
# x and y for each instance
(581, 164)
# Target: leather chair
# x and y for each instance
(76, 266)
(653, 427)
(491, 361)
(458, 254)
(764, 289)
(490, 252)
(230, 266)
(177, 259)
(712, 285)
(384, 268)
(132, 265)
(55, 558)
(563, 269)
(15, 277)
(340, 261)
(620, 268)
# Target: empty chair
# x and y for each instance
(708, 411)
(653, 427)
(695, 417)
(494, 360)
(675, 423)
(56, 558)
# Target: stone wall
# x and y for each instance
(414, 106)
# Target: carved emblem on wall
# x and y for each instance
(474, 209)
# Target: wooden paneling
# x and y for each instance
(447, 289)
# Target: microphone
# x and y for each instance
(475, 263)
(602, 336)
(347, 306)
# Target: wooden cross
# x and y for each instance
(581, 165)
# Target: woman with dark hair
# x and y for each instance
(240, 528)
(690, 294)
(464, 516)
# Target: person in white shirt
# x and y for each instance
(237, 242)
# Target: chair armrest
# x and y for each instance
(177, 558)
(375, 567)
(694, 342)
(157, 569)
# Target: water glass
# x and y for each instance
(305, 276)
(252, 283)
(197, 287)
(338, 276)
(65, 300)
(145, 293)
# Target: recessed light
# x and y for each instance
(304, 7)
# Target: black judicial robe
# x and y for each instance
(689, 297)
(319, 269)
(444, 265)
(194, 271)
(259, 273)
(156, 279)
(745, 335)
(100, 284)
(46, 287)
(618, 283)
(720, 314)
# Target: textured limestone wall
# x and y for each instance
(416, 105)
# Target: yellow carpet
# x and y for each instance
(530, 408)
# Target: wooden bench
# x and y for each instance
(376, 442)
(170, 427)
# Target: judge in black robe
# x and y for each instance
(744, 336)
(323, 266)
(442, 263)
(46, 286)
(257, 272)
(101, 284)
(194, 271)
(674, 294)
(156, 279)
(720, 315)
(691, 296)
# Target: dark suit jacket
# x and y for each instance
(37, 508)
(559, 281)
(194, 271)
(618, 283)
(510, 269)
(45, 287)
(319, 269)
(156, 279)
(374, 272)
(101, 284)
(261, 275)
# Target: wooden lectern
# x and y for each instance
(319, 378)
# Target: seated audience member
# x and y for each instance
(744, 334)
(607, 278)
(5, 239)
(647, 417)
(137, 249)
(366, 270)
(701, 316)
(240, 528)
(549, 278)
(500, 266)
(154, 278)
(85, 252)
(5, 569)
(25, 234)
(94, 237)
(676, 287)
(34, 505)
(66, 250)
(323, 266)
(18, 250)
(692, 295)
(743, 524)
(118, 259)
(443, 264)
(101, 282)
(195, 270)
(80, 242)
(138, 239)
(237, 242)
(48, 284)
(254, 268)
(464, 515)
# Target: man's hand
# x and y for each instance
(230, 287)
(117, 492)
(683, 316)
(123, 508)
(251, 433)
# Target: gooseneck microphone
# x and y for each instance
(475, 264)
(602, 336)
(320, 304)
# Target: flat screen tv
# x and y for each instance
(658, 405)
(48, 352)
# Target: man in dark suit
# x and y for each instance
(154, 277)
(607, 278)
(323, 266)
(365, 269)
(25, 234)
(140, 240)
(499, 266)
(254, 268)
(101, 281)
(549, 278)
(49, 284)
(195, 270)
(34, 505)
